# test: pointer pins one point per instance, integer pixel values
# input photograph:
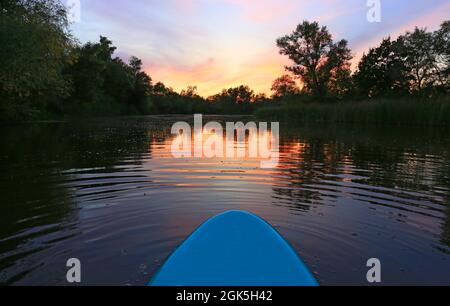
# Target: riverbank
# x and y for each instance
(386, 112)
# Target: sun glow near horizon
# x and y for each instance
(225, 43)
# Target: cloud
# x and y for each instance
(212, 75)
(216, 44)
(265, 10)
(430, 20)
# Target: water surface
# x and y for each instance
(110, 193)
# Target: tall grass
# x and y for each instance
(405, 112)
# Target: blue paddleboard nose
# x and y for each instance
(235, 248)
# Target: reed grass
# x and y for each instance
(405, 112)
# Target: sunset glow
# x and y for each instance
(216, 44)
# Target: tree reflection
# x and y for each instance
(316, 163)
(37, 205)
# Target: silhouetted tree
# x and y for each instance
(382, 71)
(284, 86)
(141, 88)
(241, 94)
(442, 51)
(234, 100)
(106, 85)
(341, 83)
(190, 91)
(419, 58)
(159, 89)
(260, 98)
(317, 59)
(417, 62)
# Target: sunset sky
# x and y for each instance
(217, 44)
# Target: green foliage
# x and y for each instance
(104, 85)
(44, 73)
(35, 45)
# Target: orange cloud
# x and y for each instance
(211, 76)
(236, 43)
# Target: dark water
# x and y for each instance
(110, 193)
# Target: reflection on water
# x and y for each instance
(110, 193)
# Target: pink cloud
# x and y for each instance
(264, 10)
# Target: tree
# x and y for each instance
(234, 100)
(442, 52)
(341, 83)
(284, 86)
(190, 92)
(167, 101)
(141, 88)
(235, 95)
(260, 98)
(159, 89)
(382, 71)
(419, 58)
(93, 70)
(417, 62)
(316, 57)
(35, 46)
(106, 85)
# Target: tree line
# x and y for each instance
(416, 63)
(46, 73)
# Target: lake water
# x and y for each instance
(110, 193)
